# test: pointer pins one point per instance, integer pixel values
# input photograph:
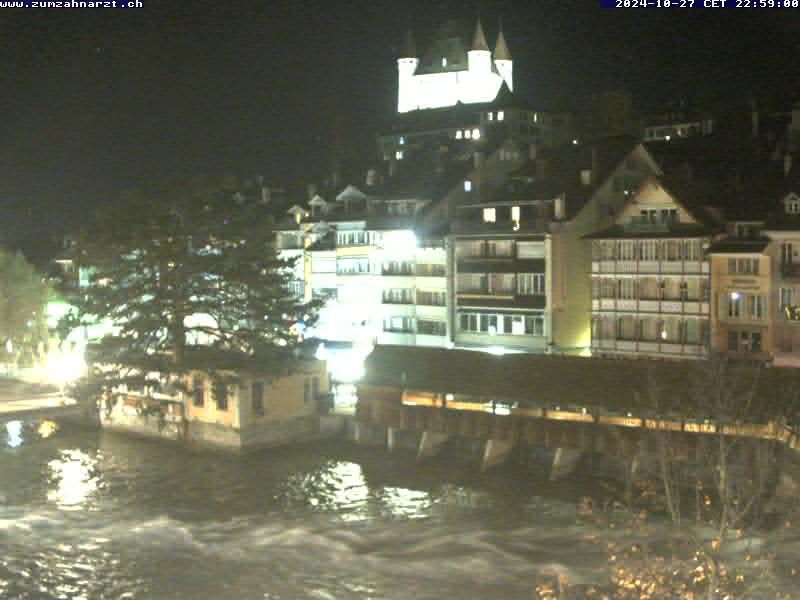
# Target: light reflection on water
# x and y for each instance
(73, 478)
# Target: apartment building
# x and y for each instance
(517, 262)
(650, 274)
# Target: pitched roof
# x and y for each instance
(545, 380)
(556, 171)
(450, 41)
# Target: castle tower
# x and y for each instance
(407, 65)
(479, 58)
(502, 60)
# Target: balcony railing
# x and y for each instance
(790, 270)
(395, 300)
(398, 272)
(647, 224)
(431, 271)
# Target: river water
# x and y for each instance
(93, 515)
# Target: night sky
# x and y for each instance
(97, 101)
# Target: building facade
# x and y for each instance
(518, 263)
(651, 277)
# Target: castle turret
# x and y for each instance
(479, 58)
(407, 64)
(502, 60)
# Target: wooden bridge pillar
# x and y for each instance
(430, 444)
(565, 461)
(495, 453)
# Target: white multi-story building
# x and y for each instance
(381, 284)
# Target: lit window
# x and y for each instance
(476, 134)
(468, 134)
(575, 142)
(500, 115)
(444, 61)
(515, 216)
(399, 155)
(402, 140)
(489, 215)
(793, 207)
(467, 186)
(535, 117)
(459, 134)
(490, 116)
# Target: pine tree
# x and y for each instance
(187, 276)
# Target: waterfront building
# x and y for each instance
(651, 276)
(250, 409)
(518, 265)
(742, 316)
(783, 229)
(381, 281)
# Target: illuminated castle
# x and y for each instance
(448, 73)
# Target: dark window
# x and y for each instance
(755, 342)
(257, 397)
(507, 324)
(733, 341)
(315, 388)
(221, 396)
(199, 396)
(306, 391)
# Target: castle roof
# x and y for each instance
(409, 49)
(501, 51)
(479, 38)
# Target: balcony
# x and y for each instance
(687, 306)
(394, 300)
(670, 267)
(790, 270)
(431, 271)
(644, 224)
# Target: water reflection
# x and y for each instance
(74, 476)
(14, 434)
(403, 502)
(46, 429)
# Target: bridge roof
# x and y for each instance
(617, 385)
